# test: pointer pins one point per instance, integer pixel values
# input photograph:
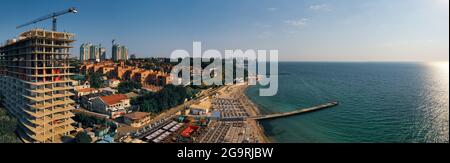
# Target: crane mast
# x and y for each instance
(54, 16)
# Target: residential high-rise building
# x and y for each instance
(119, 52)
(92, 52)
(102, 53)
(85, 52)
(124, 53)
(35, 84)
(115, 51)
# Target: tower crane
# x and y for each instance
(54, 16)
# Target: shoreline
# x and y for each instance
(254, 111)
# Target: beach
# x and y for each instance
(253, 111)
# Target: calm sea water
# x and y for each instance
(380, 102)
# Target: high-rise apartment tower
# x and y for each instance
(35, 84)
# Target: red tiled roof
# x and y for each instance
(86, 90)
(113, 99)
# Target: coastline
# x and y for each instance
(254, 111)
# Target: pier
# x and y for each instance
(297, 112)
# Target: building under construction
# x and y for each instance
(35, 84)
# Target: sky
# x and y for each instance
(302, 30)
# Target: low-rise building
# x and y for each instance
(107, 69)
(114, 105)
(137, 119)
(200, 109)
(85, 91)
(131, 73)
(132, 95)
(109, 91)
(82, 85)
(152, 88)
(86, 101)
(164, 79)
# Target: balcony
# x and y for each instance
(42, 82)
(39, 114)
(38, 129)
(45, 90)
(47, 119)
(54, 75)
(48, 97)
(44, 137)
(48, 105)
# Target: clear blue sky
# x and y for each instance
(303, 30)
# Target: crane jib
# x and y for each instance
(53, 16)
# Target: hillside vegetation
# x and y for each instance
(8, 125)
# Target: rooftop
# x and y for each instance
(108, 89)
(136, 115)
(95, 95)
(131, 95)
(41, 33)
(113, 99)
(86, 90)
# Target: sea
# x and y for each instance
(379, 103)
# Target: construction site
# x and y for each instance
(35, 82)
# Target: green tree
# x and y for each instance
(83, 137)
(191, 92)
(128, 86)
(96, 80)
(89, 121)
(169, 97)
(8, 126)
(149, 106)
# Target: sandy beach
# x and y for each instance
(253, 111)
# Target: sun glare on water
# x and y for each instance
(437, 102)
(442, 68)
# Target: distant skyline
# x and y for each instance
(302, 30)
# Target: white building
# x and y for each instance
(114, 105)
